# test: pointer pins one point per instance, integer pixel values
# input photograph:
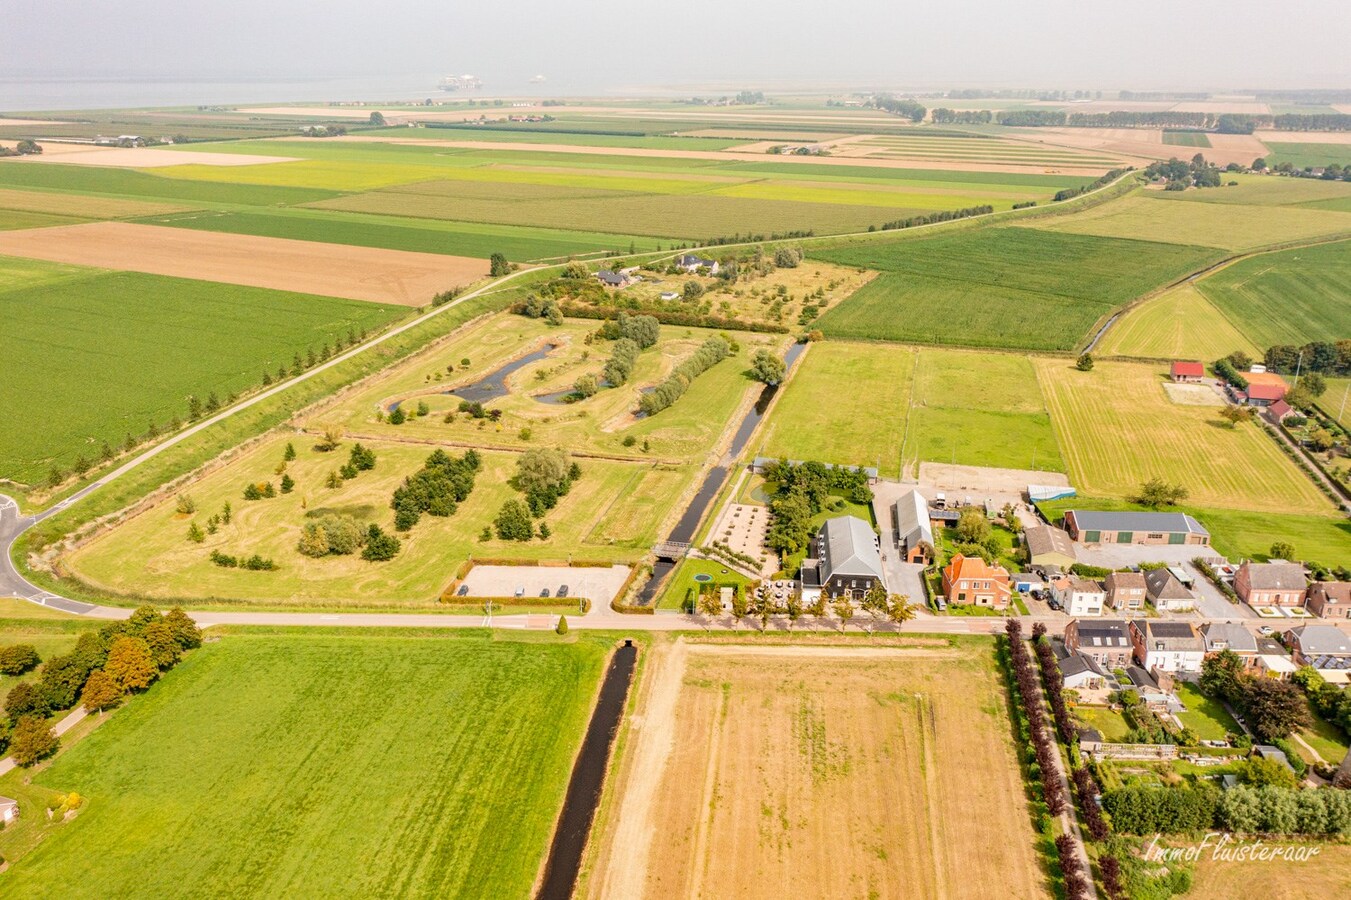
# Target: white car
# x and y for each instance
(1265, 630)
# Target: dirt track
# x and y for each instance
(333, 270)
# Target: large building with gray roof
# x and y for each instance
(847, 561)
(1089, 526)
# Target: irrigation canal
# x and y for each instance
(588, 777)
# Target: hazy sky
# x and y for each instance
(622, 44)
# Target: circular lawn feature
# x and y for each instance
(703, 577)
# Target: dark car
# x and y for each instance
(562, 590)
(544, 593)
(463, 591)
(1054, 604)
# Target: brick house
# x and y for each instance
(1079, 596)
(1270, 584)
(1330, 599)
(1106, 641)
(969, 579)
(1126, 590)
(1187, 372)
(1088, 526)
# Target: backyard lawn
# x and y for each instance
(1206, 717)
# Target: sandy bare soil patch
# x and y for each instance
(724, 155)
(140, 157)
(837, 771)
(334, 270)
(1192, 394)
(1236, 148)
(980, 480)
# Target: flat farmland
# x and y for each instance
(84, 207)
(846, 404)
(384, 276)
(1336, 401)
(1325, 874)
(816, 770)
(137, 185)
(999, 287)
(979, 409)
(1117, 429)
(1179, 324)
(1262, 190)
(689, 217)
(686, 432)
(14, 220)
(1186, 139)
(1212, 224)
(286, 764)
(415, 235)
(1301, 154)
(1290, 297)
(150, 555)
(93, 355)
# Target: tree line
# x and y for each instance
(800, 494)
(709, 354)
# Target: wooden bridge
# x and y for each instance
(672, 550)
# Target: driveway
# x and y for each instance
(1210, 602)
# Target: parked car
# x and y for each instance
(1055, 604)
(544, 593)
(520, 591)
(941, 603)
(562, 590)
(463, 591)
(1265, 630)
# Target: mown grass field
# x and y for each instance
(979, 409)
(895, 407)
(845, 404)
(1117, 429)
(1180, 324)
(1186, 139)
(49, 636)
(150, 555)
(1229, 226)
(1239, 534)
(94, 355)
(1263, 190)
(1336, 400)
(80, 206)
(134, 184)
(325, 764)
(1303, 155)
(1290, 297)
(400, 233)
(1326, 874)
(1018, 288)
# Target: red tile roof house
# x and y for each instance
(1280, 410)
(1263, 394)
(1330, 599)
(1192, 372)
(1270, 584)
(969, 579)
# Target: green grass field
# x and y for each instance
(1262, 190)
(49, 636)
(1289, 297)
(339, 765)
(94, 355)
(895, 407)
(1239, 534)
(1118, 428)
(133, 184)
(399, 233)
(1336, 400)
(866, 390)
(1180, 324)
(999, 287)
(1305, 155)
(1229, 226)
(1186, 139)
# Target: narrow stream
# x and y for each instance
(688, 525)
(494, 384)
(588, 777)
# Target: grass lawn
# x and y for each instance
(1118, 429)
(1336, 401)
(1207, 717)
(149, 555)
(682, 580)
(49, 636)
(1290, 297)
(1301, 155)
(1239, 534)
(866, 389)
(1156, 216)
(288, 764)
(1109, 723)
(95, 355)
(1326, 874)
(999, 287)
(1329, 740)
(1180, 324)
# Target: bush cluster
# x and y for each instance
(436, 489)
(945, 215)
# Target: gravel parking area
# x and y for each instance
(597, 584)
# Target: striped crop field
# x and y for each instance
(1180, 324)
(1117, 429)
(1186, 139)
(999, 287)
(1290, 297)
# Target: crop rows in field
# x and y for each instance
(1290, 297)
(1118, 428)
(1212, 224)
(1186, 139)
(1180, 324)
(78, 206)
(303, 724)
(95, 355)
(999, 287)
(134, 184)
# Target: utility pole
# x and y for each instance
(1299, 364)
(1343, 409)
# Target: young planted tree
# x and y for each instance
(844, 610)
(709, 606)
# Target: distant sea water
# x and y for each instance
(28, 95)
